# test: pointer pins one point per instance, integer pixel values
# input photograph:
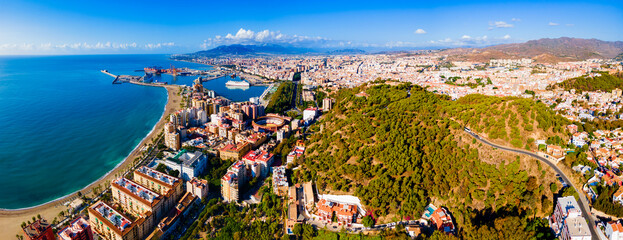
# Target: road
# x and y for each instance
(583, 203)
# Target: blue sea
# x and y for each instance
(63, 124)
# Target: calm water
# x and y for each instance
(64, 125)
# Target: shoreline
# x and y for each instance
(10, 219)
(90, 186)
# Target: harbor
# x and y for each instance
(225, 83)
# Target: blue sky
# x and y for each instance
(87, 27)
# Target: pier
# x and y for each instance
(123, 78)
(205, 79)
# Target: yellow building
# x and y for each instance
(171, 188)
(111, 225)
(172, 138)
(138, 200)
(231, 151)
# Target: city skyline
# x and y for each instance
(47, 27)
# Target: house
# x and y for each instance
(414, 230)
(344, 213)
(554, 150)
(617, 197)
(572, 128)
(614, 230)
(442, 220)
(296, 153)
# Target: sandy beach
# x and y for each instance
(10, 220)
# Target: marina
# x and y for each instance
(218, 79)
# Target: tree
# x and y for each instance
(161, 168)
(175, 173)
(298, 230)
(367, 221)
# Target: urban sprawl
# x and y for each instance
(148, 202)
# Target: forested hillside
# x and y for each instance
(604, 82)
(398, 150)
(511, 121)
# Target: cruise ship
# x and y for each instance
(237, 83)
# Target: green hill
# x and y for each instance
(604, 82)
(403, 146)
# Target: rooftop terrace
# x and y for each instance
(114, 217)
(78, 225)
(137, 189)
(187, 158)
(158, 175)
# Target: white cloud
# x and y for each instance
(516, 20)
(553, 24)
(467, 40)
(420, 31)
(247, 36)
(49, 48)
(500, 24)
(570, 24)
(400, 44)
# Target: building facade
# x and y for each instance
(39, 230)
(172, 138)
(78, 229)
(112, 225)
(198, 187)
(575, 228)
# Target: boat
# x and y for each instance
(237, 84)
(233, 75)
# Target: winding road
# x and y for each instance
(583, 202)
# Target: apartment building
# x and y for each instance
(78, 229)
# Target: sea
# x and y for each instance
(63, 124)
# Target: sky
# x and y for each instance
(126, 27)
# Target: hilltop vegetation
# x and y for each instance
(511, 121)
(397, 150)
(604, 82)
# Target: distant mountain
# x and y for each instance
(346, 51)
(251, 50)
(547, 50)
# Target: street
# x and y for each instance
(583, 203)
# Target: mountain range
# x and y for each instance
(252, 50)
(546, 50)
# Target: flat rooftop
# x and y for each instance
(186, 158)
(137, 189)
(114, 217)
(78, 225)
(577, 227)
(158, 175)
